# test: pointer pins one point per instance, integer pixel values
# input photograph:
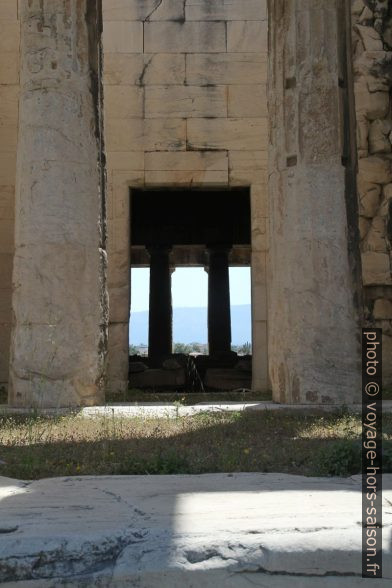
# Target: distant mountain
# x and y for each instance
(190, 325)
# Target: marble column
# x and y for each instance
(313, 310)
(59, 277)
(160, 327)
(219, 317)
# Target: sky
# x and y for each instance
(189, 287)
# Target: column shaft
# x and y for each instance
(160, 327)
(312, 310)
(219, 318)
(59, 302)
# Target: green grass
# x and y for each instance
(268, 441)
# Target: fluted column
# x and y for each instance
(313, 308)
(160, 327)
(59, 303)
(219, 317)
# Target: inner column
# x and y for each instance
(219, 318)
(160, 327)
(59, 304)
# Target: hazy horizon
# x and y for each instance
(190, 325)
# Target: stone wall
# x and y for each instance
(372, 62)
(185, 105)
(9, 92)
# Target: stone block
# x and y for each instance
(7, 202)
(259, 356)
(362, 135)
(370, 38)
(4, 352)
(259, 300)
(165, 134)
(123, 102)
(118, 269)
(123, 37)
(9, 101)
(120, 10)
(118, 357)
(122, 68)
(118, 233)
(119, 304)
(9, 37)
(132, 135)
(144, 69)
(187, 37)
(124, 134)
(125, 160)
(259, 202)
(382, 309)
(125, 179)
(226, 10)
(387, 191)
(247, 177)
(9, 68)
(8, 137)
(227, 379)
(171, 10)
(379, 132)
(376, 236)
(143, 10)
(186, 178)
(259, 267)
(376, 268)
(375, 170)
(364, 226)
(163, 69)
(158, 378)
(8, 10)
(227, 133)
(372, 104)
(186, 161)
(248, 160)
(247, 101)
(226, 68)
(247, 36)
(6, 235)
(185, 101)
(5, 305)
(369, 198)
(259, 235)
(6, 262)
(122, 183)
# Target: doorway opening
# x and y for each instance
(193, 248)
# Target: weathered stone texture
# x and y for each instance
(183, 531)
(372, 62)
(59, 301)
(178, 37)
(9, 96)
(313, 348)
(200, 71)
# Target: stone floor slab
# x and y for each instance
(235, 531)
(173, 410)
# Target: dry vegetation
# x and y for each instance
(36, 447)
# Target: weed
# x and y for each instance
(328, 444)
(341, 458)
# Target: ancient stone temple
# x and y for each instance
(176, 133)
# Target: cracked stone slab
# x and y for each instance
(239, 530)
